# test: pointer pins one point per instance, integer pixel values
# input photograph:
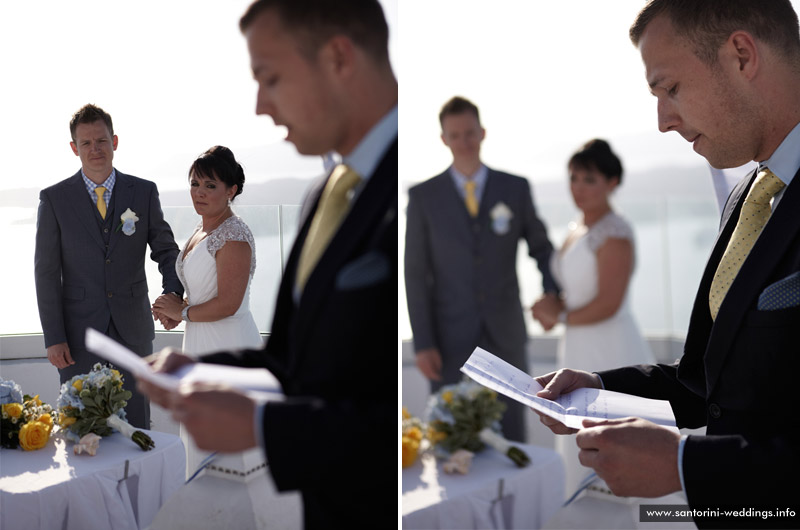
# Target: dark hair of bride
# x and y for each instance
(218, 163)
(597, 154)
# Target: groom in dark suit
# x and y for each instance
(323, 72)
(92, 234)
(462, 233)
(726, 77)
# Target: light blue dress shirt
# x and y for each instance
(108, 184)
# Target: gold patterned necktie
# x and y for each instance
(754, 215)
(101, 202)
(470, 199)
(333, 206)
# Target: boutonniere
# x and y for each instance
(501, 216)
(128, 222)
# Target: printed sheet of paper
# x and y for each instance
(570, 409)
(259, 382)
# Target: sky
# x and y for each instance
(175, 77)
(173, 74)
(547, 76)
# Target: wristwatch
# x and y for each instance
(185, 314)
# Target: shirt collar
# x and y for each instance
(479, 178)
(364, 159)
(785, 161)
(108, 184)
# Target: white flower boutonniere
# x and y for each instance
(128, 224)
(501, 216)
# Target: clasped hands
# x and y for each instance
(218, 417)
(546, 310)
(167, 310)
(635, 457)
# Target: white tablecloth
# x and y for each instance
(122, 487)
(494, 494)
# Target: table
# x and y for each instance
(494, 494)
(120, 488)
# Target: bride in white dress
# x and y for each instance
(216, 267)
(593, 268)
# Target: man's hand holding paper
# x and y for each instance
(635, 456)
(562, 382)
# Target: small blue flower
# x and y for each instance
(10, 392)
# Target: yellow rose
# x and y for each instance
(406, 415)
(448, 397)
(116, 373)
(414, 433)
(66, 421)
(78, 384)
(37, 401)
(410, 448)
(34, 435)
(14, 410)
(47, 420)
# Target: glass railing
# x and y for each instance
(673, 239)
(273, 226)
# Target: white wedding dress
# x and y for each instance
(233, 490)
(611, 343)
(197, 271)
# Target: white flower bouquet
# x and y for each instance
(467, 416)
(94, 403)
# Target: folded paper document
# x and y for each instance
(570, 409)
(258, 381)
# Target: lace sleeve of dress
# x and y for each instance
(612, 225)
(233, 229)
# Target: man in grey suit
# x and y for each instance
(92, 234)
(463, 228)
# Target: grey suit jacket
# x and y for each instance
(461, 272)
(80, 282)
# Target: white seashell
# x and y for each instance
(459, 462)
(88, 444)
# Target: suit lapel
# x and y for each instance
(123, 199)
(491, 196)
(772, 244)
(372, 206)
(450, 200)
(78, 197)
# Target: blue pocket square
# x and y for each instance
(782, 294)
(367, 270)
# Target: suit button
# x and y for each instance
(105, 230)
(108, 262)
(110, 294)
(714, 411)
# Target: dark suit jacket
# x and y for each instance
(460, 273)
(80, 283)
(335, 353)
(738, 376)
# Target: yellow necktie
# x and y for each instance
(754, 215)
(333, 206)
(101, 202)
(470, 199)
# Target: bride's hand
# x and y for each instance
(168, 305)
